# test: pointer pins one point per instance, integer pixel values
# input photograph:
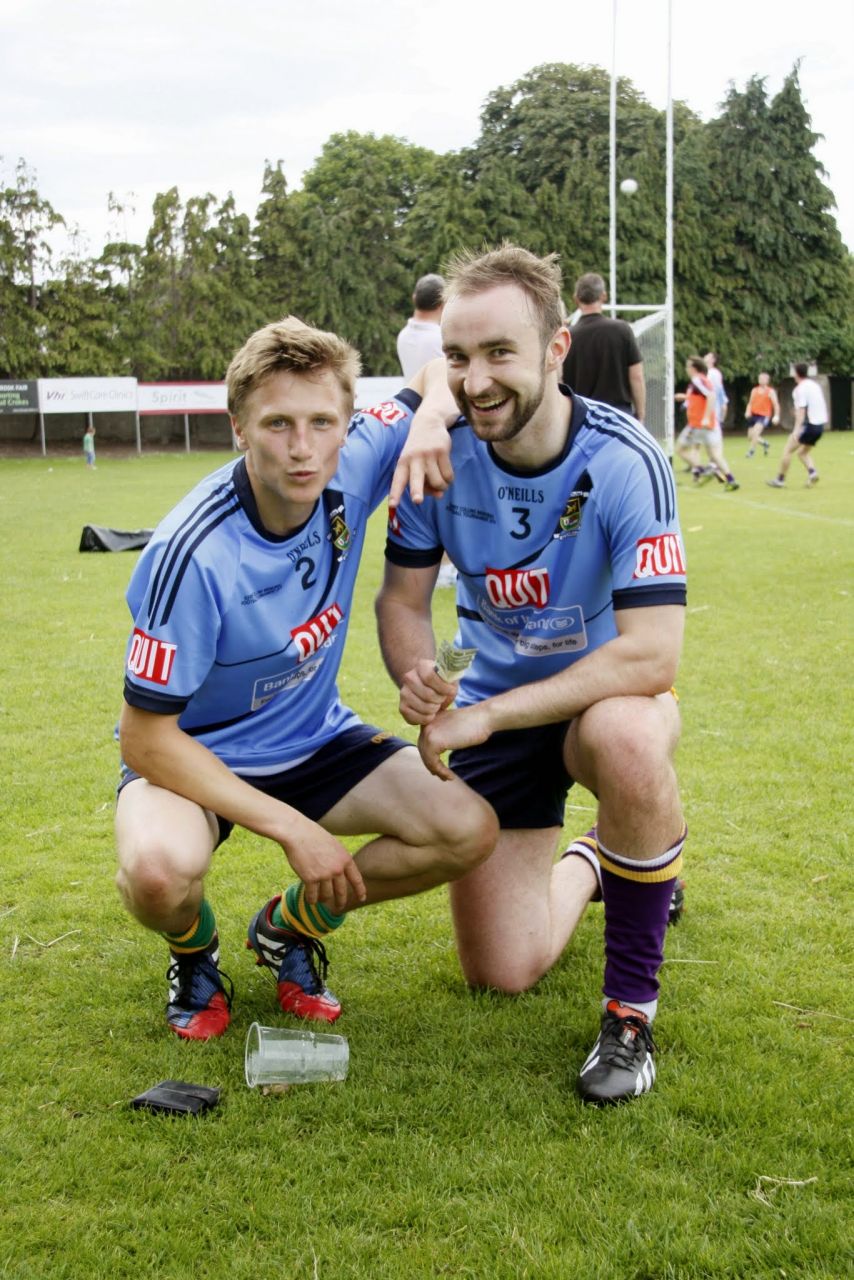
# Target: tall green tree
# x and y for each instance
(774, 256)
(446, 216)
(354, 206)
(818, 264)
(278, 262)
(119, 265)
(553, 126)
(195, 295)
(26, 221)
(79, 316)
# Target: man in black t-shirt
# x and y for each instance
(604, 361)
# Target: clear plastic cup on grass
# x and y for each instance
(278, 1056)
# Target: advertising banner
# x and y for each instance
(87, 395)
(19, 397)
(373, 391)
(182, 397)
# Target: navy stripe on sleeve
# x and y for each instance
(637, 438)
(649, 595)
(173, 565)
(410, 558)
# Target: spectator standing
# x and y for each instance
(419, 342)
(604, 361)
(89, 447)
(420, 339)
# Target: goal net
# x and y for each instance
(651, 334)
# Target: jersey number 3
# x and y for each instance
(524, 514)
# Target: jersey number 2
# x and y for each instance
(308, 565)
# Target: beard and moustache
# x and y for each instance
(526, 405)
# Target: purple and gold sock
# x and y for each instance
(637, 896)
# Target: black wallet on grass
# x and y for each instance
(177, 1097)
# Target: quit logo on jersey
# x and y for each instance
(151, 659)
(309, 636)
(514, 588)
(659, 557)
(389, 412)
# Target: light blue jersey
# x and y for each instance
(240, 632)
(546, 557)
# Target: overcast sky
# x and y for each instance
(107, 95)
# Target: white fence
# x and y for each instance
(88, 397)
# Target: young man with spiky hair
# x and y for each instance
(561, 520)
(241, 603)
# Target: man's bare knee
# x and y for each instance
(629, 741)
(468, 835)
(510, 979)
(151, 883)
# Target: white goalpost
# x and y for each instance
(654, 332)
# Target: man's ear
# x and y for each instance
(237, 431)
(558, 348)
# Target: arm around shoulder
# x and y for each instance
(425, 463)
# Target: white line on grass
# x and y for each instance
(786, 511)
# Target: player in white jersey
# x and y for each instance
(562, 522)
(241, 603)
(811, 418)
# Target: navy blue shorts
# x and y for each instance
(521, 773)
(810, 434)
(317, 784)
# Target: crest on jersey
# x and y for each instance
(569, 521)
(338, 530)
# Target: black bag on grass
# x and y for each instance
(96, 538)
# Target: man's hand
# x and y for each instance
(325, 867)
(463, 727)
(425, 464)
(424, 694)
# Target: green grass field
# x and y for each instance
(457, 1146)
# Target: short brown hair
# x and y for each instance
(589, 288)
(428, 293)
(539, 278)
(698, 363)
(291, 345)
